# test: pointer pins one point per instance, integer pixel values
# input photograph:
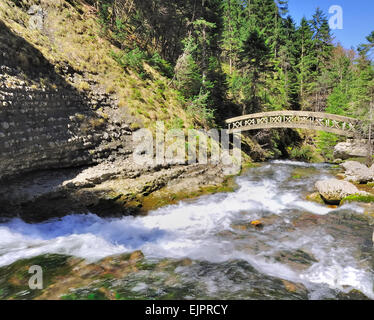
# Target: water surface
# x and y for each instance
(326, 250)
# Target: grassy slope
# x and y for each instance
(73, 36)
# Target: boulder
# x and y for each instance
(315, 197)
(372, 170)
(358, 172)
(333, 191)
(350, 149)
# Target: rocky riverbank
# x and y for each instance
(353, 182)
(108, 189)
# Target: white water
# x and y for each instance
(195, 230)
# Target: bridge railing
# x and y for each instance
(296, 119)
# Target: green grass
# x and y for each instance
(359, 198)
(305, 153)
(72, 296)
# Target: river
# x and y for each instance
(304, 250)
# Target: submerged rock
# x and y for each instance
(133, 277)
(303, 173)
(298, 259)
(257, 224)
(352, 295)
(333, 191)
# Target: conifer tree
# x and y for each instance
(253, 61)
(323, 47)
(368, 48)
(233, 17)
(306, 66)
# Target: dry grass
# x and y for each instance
(83, 86)
(76, 38)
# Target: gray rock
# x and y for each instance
(334, 190)
(358, 172)
(106, 136)
(351, 148)
(34, 9)
(37, 17)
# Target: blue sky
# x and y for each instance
(358, 17)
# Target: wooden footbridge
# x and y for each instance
(318, 121)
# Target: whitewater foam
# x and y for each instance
(192, 229)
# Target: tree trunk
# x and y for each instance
(231, 35)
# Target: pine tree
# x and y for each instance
(233, 20)
(290, 69)
(187, 73)
(368, 48)
(253, 60)
(307, 62)
(322, 39)
(278, 24)
(362, 88)
(323, 46)
(341, 78)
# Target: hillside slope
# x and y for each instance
(67, 103)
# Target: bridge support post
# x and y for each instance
(370, 147)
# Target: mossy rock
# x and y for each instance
(352, 295)
(366, 198)
(300, 173)
(14, 278)
(297, 176)
(358, 159)
(298, 258)
(165, 196)
(315, 197)
(250, 165)
(85, 295)
(135, 126)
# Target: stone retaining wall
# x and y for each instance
(45, 121)
(42, 129)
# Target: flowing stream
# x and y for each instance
(327, 251)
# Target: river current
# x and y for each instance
(301, 241)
